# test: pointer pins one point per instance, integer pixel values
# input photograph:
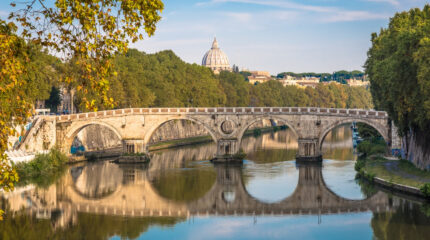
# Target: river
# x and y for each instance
(180, 194)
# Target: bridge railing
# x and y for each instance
(226, 110)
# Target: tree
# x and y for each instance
(399, 70)
(14, 105)
(54, 99)
(85, 32)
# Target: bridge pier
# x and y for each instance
(308, 150)
(134, 146)
(227, 150)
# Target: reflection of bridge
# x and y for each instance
(226, 126)
(110, 189)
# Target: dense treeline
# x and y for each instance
(339, 76)
(164, 80)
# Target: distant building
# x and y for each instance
(67, 98)
(39, 104)
(302, 82)
(357, 83)
(259, 76)
(40, 108)
(216, 59)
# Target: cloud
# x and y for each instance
(321, 13)
(392, 2)
(4, 13)
(259, 18)
(280, 4)
(239, 16)
(348, 16)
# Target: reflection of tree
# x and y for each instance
(338, 143)
(407, 222)
(184, 185)
(367, 188)
(89, 226)
(272, 156)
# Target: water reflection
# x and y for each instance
(181, 195)
(337, 144)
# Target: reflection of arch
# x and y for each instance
(296, 182)
(311, 195)
(104, 171)
(257, 119)
(72, 133)
(378, 127)
(152, 130)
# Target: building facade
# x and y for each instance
(259, 77)
(302, 82)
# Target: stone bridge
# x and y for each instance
(134, 126)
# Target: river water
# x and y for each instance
(180, 194)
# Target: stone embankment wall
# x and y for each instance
(96, 137)
(416, 149)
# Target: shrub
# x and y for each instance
(43, 170)
(257, 132)
(425, 189)
(359, 164)
(364, 147)
(377, 149)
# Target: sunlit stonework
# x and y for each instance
(216, 59)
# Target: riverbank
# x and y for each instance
(43, 170)
(396, 175)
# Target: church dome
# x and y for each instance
(216, 59)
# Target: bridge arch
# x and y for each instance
(267, 117)
(156, 126)
(383, 130)
(75, 129)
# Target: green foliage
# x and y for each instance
(359, 164)
(339, 76)
(372, 146)
(425, 209)
(54, 99)
(256, 132)
(399, 70)
(235, 88)
(367, 132)
(425, 189)
(164, 80)
(272, 93)
(364, 147)
(43, 170)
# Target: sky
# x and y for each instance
(272, 35)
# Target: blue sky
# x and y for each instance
(276, 35)
(273, 35)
